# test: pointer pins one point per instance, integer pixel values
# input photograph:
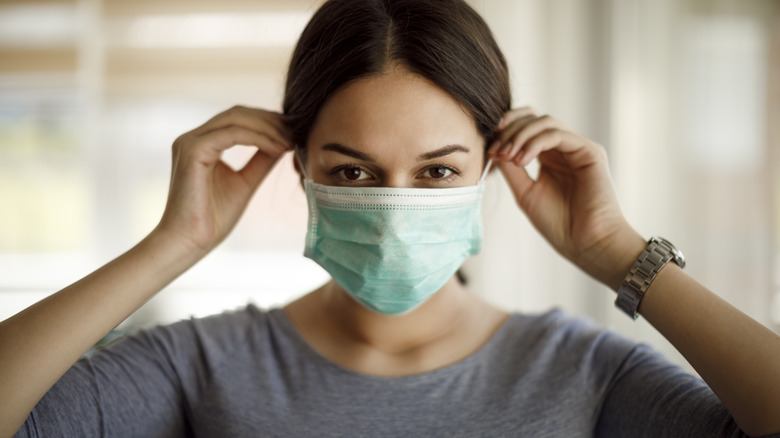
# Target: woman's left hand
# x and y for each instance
(573, 204)
(572, 201)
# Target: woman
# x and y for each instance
(392, 108)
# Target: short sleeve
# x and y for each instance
(650, 397)
(147, 384)
(130, 388)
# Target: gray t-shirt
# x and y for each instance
(249, 374)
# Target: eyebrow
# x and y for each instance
(344, 150)
(446, 150)
(340, 148)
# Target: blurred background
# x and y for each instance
(684, 94)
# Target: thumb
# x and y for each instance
(261, 163)
(517, 178)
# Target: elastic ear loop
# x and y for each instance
(297, 157)
(488, 165)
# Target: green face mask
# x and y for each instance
(392, 248)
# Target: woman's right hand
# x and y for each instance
(206, 199)
(206, 196)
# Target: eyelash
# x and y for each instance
(339, 169)
(444, 180)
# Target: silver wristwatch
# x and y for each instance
(658, 253)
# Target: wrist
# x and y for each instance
(616, 260)
(170, 245)
(651, 262)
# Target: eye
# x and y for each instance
(351, 173)
(439, 172)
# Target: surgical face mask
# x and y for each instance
(392, 248)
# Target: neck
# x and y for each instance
(448, 327)
(436, 318)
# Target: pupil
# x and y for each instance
(437, 172)
(352, 173)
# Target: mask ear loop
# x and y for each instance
(297, 158)
(488, 165)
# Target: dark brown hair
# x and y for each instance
(445, 41)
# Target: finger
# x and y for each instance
(503, 146)
(518, 179)
(258, 167)
(536, 127)
(208, 148)
(239, 112)
(543, 141)
(508, 118)
(514, 114)
(510, 137)
(576, 150)
(525, 129)
(249, 118)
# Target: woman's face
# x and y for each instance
(394, 130)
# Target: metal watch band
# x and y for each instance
(658, 253)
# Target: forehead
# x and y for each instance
(394, 112)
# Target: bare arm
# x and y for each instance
(737, 357)
(42, 342)
(573, 204)
(206, 199)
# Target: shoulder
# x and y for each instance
(138, 384)
(554, 345)
(214, 336)
(555, 330)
